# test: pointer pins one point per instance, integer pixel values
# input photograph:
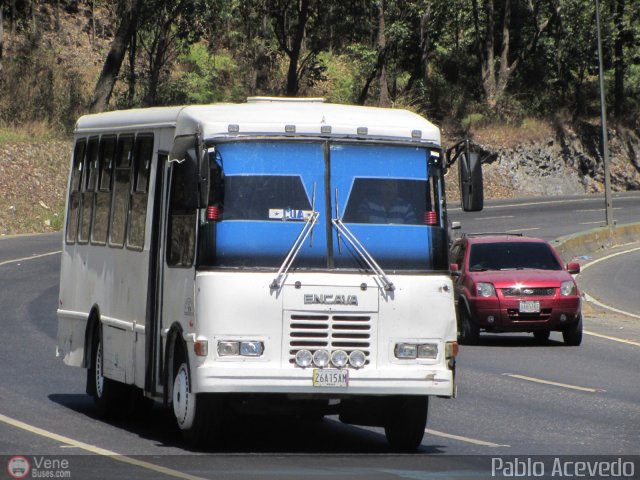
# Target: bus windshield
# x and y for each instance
(382, 193)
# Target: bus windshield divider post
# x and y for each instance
(366, 256)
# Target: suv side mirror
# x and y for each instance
(454, 270)
(573, 268)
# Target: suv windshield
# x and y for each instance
(512, 256)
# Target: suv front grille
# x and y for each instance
(331, 332)
(528, 292)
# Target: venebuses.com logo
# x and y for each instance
(38, 467)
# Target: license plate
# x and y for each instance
(530, 306)
(330, 377)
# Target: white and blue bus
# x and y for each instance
(279, 254)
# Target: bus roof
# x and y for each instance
(270, 116)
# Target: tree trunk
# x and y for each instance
(383, 99)
(158, 61)
(425, 45)
(113, 62)
(296, 48)
(1, 37)
(619, 63)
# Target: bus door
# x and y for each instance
(383, 197)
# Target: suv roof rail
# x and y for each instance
(508, 234)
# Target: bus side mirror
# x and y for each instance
(471, 184)
(204, 178)
(195, 171)
(470, 170)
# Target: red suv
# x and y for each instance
(511, 283)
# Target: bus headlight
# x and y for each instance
(357, 359)
(304, 358)
(428, 350)
(251, 349)
(339, 358)
(227, 348)
(406, 350)
(416, 350)
(321, 358)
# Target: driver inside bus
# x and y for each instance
(386, 205)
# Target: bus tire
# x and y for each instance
(406, 422)
(197, 415)
(106, 392)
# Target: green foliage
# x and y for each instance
(202, 51)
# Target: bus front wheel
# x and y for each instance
(197, 415)
(406, 422)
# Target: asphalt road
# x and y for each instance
(515, 397)
(549, 217)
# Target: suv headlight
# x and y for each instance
(568, 288)
(485, 289)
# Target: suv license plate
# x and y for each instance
(530, 306)
(330, 377)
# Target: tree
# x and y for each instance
(113, 62)
(495, 81)
(289, 20)
(1, 35)
(620, 65)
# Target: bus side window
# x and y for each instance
(74, 190)
(102, 207)
(140, 184)
(181, 230)
(89, 181)
(120, 201)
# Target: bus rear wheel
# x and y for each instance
(406, 422)
(197, 415)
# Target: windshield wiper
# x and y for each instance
(364, 254)
(293, 251)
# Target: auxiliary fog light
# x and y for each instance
(321, 358)
(406, 350)
(357, 358)
(428, 350)
(251, 348)
(563, 318)
(491, 319)
(304, 358)
(226, 348)
(339, 358)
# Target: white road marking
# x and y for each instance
(594, 262)
(522, 229)
(590, 299)
(615, 339)
(592, 223)
(555, 384)
(7, 262)
(97, 450)
(463, 439)
(493, 218)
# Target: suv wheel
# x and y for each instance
(468, 331)
(572, 335)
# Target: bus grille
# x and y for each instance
(331, 332)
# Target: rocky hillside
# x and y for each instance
(546, 159)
